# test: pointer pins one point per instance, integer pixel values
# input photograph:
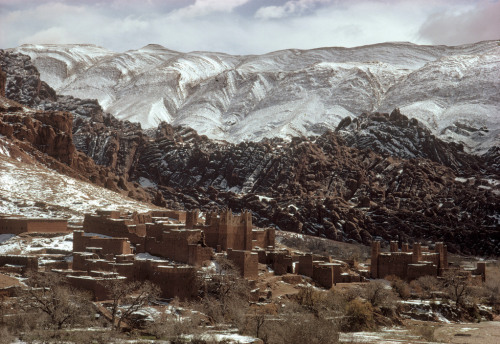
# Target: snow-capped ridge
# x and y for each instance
(286, 92)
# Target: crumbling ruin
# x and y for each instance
(410, 264)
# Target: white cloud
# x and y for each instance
(472, 24)
(53, 35)
(246, 26)
(289, 8)
(205, 7)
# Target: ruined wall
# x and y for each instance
(199, 254)
(416, 271)
(173, 280)
(228, 230)
(174, 244)
(481, 270)
(115, 228)
(173, 214)
(306, 265)
(423, 260)
(114, 246)
(92, 284)
(18, 225)
(246, 261)
(192, 219)
(263, 237)
(112, 214)
(28, 262)
(395, 263)
(323, 274)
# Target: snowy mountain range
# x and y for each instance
(454, 91)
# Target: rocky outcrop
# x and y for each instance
(320, 186)
(3, 82)
(47, 137)
(397, 135)
(23, 82)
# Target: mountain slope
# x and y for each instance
(289, 92)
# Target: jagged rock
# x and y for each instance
(3, 82)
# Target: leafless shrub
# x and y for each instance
(379, 294)
(48, 294)
(401, 288)
(174, 328)
(426, 286)
(457, 287)
(129, 298)
(225, 294)
(359, 314)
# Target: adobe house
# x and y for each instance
(411, 264)
(113, 246)
(225, 230)
(17, 225)
(247, 262)
(184, 246)
(25, 262)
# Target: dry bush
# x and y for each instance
(5, 336)
(401, 288)
(379, 294)
(426, 286)
(359, 316)
(457, 287)
(224, 294)
(295, 326)
(174, 328)
(129, 298)
(63, 305)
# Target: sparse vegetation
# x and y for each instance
(128, 298)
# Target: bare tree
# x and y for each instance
(225, 293)
(128, 298)
(457, 286)
(379, 294)
(49, 294)
(425, 286)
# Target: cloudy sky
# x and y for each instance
(246, 26)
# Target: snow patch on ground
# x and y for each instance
(36, 191)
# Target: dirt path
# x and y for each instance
(487, 332)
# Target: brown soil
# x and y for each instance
(482, 333)
(7, 281)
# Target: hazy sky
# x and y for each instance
(246, 26)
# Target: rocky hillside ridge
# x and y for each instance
(316, 185)
(319, 186)
(453, 91)
(398, 135)
(46, 137)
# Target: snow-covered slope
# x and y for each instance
(30, 189)
(453, 90)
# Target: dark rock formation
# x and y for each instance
(396, 135)
(3, 82)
